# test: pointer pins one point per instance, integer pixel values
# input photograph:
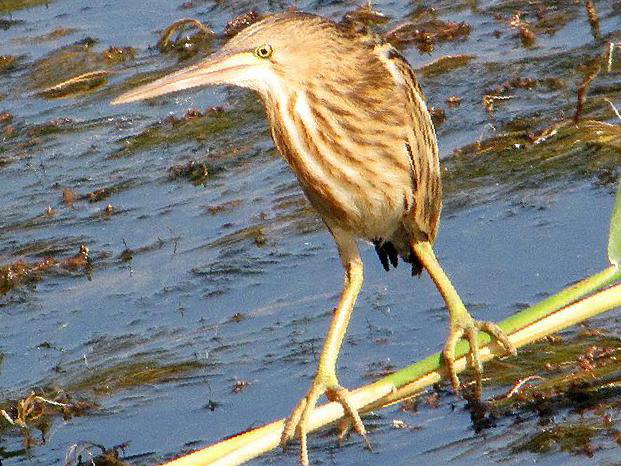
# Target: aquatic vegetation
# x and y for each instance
(192, 224)
(84, 453)
(445, 64)
(424, 35)
(38, 410)
(50, 36)
(20, 272)
(125, 375)
(7, 6)
(76, 69)
(175, 39)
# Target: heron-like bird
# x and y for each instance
(347, 114)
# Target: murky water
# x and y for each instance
(206, 303)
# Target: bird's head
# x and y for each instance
(277, 53)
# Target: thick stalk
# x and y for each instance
(547, 317)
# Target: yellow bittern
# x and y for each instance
(347, 114)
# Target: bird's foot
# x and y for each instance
(299, 421)
(463, 325)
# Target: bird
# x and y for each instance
(347, 114)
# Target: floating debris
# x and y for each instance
(116, 55)
(584, 87)
(7, 62)
(426, 35)
(196, 172)
(240, 385)
(8, 132)
(541, 136)
(81, 454)
(39, 408)
(526, 32)
(50, 36)
(211, 405)
(366, 15)
(490, 100)
(614, 109)
(7, 6)
(575, 438)
(260, 239)
(241, 22)
(80, 260)
(69, 196)
(498, 93)
(98, 195)
(238, 317)
(6, 118)
(224, 207)
(19, 272)
(77, 85)
(438, 115)
(75, 69)
(521, 384)
(400, 424)
(445, 64)
(185, 45)
(126, 254)
(593, 17)
(175, 130)
(127, 374)
(50, 127)
(6, 24)
(527, 36)
(453, 101)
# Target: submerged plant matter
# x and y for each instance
(202, 244)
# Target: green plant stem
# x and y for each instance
(562, 310)
(517, 321)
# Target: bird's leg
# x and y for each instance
(461, 322)
(325, 381)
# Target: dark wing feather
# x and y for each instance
(422, 149)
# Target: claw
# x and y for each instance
(472, 335)
(344, 427)
(292, 422)
(469, 330)
(497, 334)
(462, 322)
(298, 422)
(449, 357)
(342, 396)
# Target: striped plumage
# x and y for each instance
(364, 151)
(348, 115)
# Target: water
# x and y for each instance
(233, 279)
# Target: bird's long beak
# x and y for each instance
(219, 68)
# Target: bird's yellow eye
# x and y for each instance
(263, 51)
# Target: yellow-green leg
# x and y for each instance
(461, 322)
(325, 381)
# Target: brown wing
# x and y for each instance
(422, 148)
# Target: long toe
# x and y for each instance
(474, 359)
(298, 424)
(469, 329)
(496, 333)
(342, 395)
(299, 421)
(448, 353)
(291, 423)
